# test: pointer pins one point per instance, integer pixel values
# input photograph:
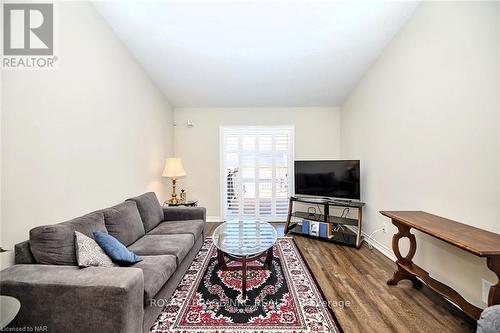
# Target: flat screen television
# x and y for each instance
(333, 178)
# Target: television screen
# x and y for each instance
(337, 178)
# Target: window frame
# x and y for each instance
(222, 174)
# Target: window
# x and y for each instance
(256, 164)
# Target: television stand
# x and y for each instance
(312, 199)
(342, 200)
(339, 229)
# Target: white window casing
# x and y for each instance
(256, 171)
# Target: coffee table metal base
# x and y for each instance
(244, 267)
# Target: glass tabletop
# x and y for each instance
(244, 238)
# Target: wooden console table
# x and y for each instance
(474, 240)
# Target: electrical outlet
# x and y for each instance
(384, 228)
(486, 290)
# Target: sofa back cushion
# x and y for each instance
(149, 209)
(124, 222)
(55, 244)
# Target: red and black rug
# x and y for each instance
(283, 299)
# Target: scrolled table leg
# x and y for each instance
(401, 274)
(494, 295)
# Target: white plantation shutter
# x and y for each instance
(256, 168)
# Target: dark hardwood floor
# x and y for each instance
(359, 277)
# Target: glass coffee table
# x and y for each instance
(244, 241)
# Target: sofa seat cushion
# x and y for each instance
(151, 245)
(193, 227)
(124, 222)
(156, 270)
(55, 244)
(149, 209)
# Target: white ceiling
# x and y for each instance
(255, 53)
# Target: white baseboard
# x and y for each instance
(375, 243)
(379, 246)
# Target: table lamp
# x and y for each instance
(173, 169)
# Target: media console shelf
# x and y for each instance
(341, 229)
(479, 242)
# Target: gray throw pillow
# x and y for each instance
(89, 253)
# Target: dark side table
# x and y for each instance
(188, 203)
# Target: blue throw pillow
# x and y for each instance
(116, 250)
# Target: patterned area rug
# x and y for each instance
(284, 299)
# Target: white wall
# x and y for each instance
(425, 121)
(317, 135)
(4, 257)
(81, 137)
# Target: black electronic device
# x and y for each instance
(328, 178)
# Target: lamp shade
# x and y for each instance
(173, 168)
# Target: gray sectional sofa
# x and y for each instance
(56, 293)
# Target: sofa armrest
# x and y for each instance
(184, 213)
(23, 253)
(73, 299)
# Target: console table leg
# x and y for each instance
(494, 295)
(401, 274)
(404, 275)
